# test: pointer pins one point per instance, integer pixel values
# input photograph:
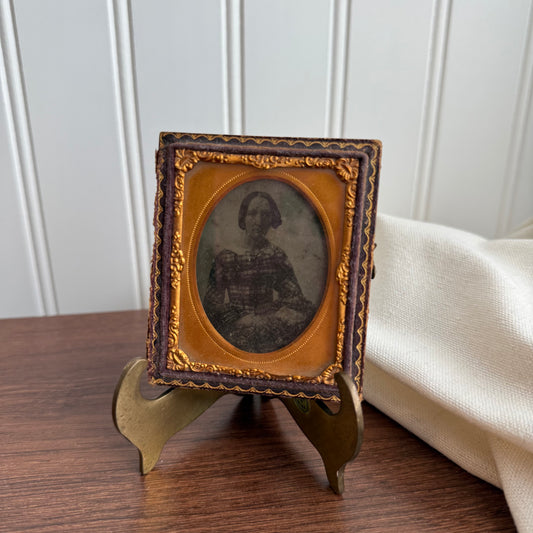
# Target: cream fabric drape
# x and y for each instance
(450, 348)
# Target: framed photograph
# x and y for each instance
(262, 263)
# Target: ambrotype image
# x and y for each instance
(262, 265)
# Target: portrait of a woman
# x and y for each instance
(253, 298)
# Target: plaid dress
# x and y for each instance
(256, 284)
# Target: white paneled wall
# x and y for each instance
(285, 66)
(389, 49)
(87, 85)
(485, 43)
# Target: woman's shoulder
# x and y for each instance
(225, 257)
(275, 252)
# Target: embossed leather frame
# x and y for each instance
(339, 179)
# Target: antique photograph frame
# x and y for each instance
(262, 263)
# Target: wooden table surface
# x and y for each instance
(242, 466)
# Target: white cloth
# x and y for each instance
(450, 348)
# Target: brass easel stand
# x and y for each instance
(148, 424)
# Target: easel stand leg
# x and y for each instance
(337, 437)
(148, 424)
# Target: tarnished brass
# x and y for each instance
(337, 437)
(148, 424)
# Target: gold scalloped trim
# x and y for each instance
(325, 143)
(154, 289)
(367, 263)
(237, 389)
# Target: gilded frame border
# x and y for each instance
(355, 163)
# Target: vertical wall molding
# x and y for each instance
(130, 143)
(233, 66)
(339, 34)
(431, 109)
(19, 130)
(521, 112)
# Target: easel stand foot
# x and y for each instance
(148, 424)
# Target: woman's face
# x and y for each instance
(258, 218)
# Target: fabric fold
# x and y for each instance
(450, 347)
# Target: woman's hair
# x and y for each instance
(274, 211)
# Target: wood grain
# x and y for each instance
(242, 466)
